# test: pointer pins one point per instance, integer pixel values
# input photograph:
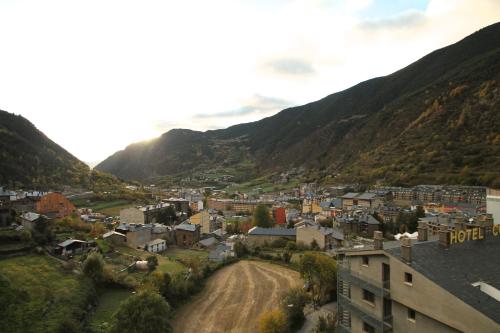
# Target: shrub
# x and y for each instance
(279, 243)
(145, 312)
(326, 324)
(291, 246)
(240, 249)
(273, 322)
(293, 303)
(152, 263)
(286, 256)
(93, 267)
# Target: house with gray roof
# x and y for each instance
(261, 236)
(326, 238)
(360, 224)
(187, 234)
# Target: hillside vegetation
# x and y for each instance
(39, 296)
(29, 157)
(434, 121)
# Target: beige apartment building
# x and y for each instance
(421, 286)
(203, 220)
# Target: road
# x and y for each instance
(235, 297)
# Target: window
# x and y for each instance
(411, 315)
(408, 278)
(368, 296)
(366, 260)
(368, 328)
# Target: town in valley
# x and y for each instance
(250, 166)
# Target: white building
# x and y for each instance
(493, 204)
(155, 246)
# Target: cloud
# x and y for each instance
(290, 66)
(408, 19)
(257, 104)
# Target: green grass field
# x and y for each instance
(180, 253)
(54, 298)
(165, 264)
(110, 208)
(109, 302)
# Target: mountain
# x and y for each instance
(29, 158)
(434, 121)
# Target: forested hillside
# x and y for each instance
(435, 121)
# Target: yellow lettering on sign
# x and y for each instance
(481, 235)
(453, 237)
(495, 230)
(475, 232)
(461, 236)
(469, 231)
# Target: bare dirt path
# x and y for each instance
(235, 297)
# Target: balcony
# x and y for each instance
(379, 288)
(380, 324)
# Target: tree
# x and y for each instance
(240, 249)
(25, 236)
(273, 322)
(42, 231)
(314, 245)
(287, 256)
(152, 263)
(93, 267)
(163, 282)
(293, 303)
(146, 312)
(262, 217)
(320, 271)
(167, 215)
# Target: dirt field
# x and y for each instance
(235, 297)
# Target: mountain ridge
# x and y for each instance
(336, 130)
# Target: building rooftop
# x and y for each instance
(258, 231)
(458, 267)
(70, 241)
(350, 195)
(156, 242)
(30, 216)
(186, 227)
(366, 196)
(110, 233)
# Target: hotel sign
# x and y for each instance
(460, 236)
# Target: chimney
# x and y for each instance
(423, 231)
(444, 237)
(406, 250)
(378, 240)
(459, 224)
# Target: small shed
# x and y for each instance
(155, 246)
(71, 246)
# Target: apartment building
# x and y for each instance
(142, 214)
(493, 204)
(446, 285)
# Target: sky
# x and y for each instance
(96, 76)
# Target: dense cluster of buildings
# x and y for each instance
(50, 204)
